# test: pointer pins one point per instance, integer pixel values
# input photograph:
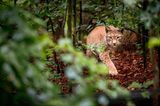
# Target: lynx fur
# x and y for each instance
(110, 39)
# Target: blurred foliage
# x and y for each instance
(124, 15)
(144, 85)
(86, 87)
(151, 15)
(24, 80)
(151, 19)
(115, 12)
(22, 77)
(146, 94)
(154, 42)
(45, 9)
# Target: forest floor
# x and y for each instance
(130, 68)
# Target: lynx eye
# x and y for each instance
(118, 37)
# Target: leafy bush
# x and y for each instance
(22, 80)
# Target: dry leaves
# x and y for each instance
(131, 68)
(128, 63)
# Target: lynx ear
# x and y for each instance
(121, 30)
(107, 29)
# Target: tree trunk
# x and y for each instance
(154, 61)
(156, 78)
(74, 22)
(80, 19)
(15, 2)
(68, 20)
(104, 2)
(144, 32)
(144, 41)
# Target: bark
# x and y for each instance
(68, 19)
(80, 18)
(144, 41)
(15, 2)
(74, 22)
(144, 32)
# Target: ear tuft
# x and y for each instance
(121, 30)
(107, 29)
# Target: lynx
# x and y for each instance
(108, 36)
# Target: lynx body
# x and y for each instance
(108, 36)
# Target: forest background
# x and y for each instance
(39, 44)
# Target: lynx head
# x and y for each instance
(113, 38)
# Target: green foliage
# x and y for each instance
(53, 9)
(21, 65)
(130, 103)
(154, 42)
(151, 15)
(22, 56)
(147, 83)
(145, 94)
(124, 15)
(130, 3)
(137, 85)
(143, 87)
(120, 13)
(96, 49)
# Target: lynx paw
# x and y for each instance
(113, 72)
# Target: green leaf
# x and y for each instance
(148, 83)
(153, 42)
(71, 73)
(68, 58)
(102, 69)
(130, 103)
(135, 85)
(146, 94)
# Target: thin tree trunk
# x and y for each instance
(144, 32)
(156, 69)
(144, 41)
(156, 78)
(54, 52)
(15, 2)
(56, 61)
(104, 2)
(74, 22)
(68, 19)
(80, 18)
(159, 57)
